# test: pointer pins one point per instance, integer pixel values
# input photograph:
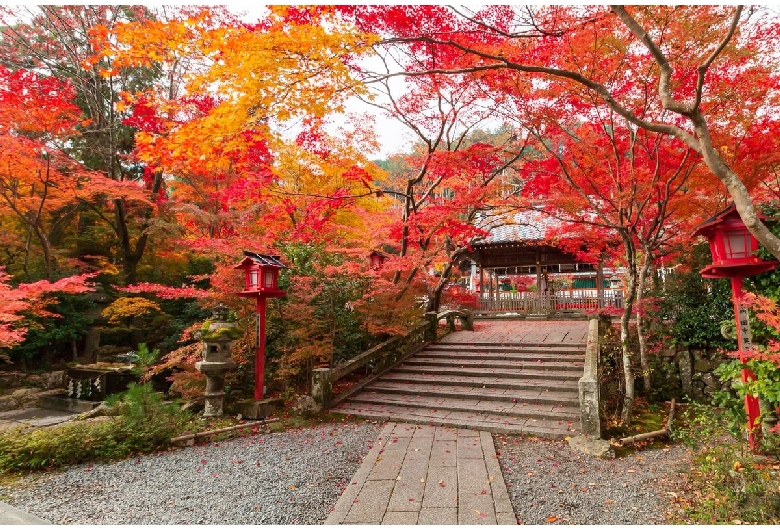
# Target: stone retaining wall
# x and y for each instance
(21, 390)
(680, 372)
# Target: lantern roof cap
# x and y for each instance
(261, 259)
(706, 226)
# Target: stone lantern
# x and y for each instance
(217, 359)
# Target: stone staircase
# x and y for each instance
(513, 388)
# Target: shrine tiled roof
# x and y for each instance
(528, 225)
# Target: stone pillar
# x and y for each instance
(322, 386)
(588, 384)
(215, 395)
(468, 323)
(433, 323)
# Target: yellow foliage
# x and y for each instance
(129, 307)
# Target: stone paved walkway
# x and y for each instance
(526, 331)
(418, 474)
(423, 474)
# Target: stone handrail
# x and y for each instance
(383, 356)
(466, 320)
(590, 420)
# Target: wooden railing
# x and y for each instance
(547, 303)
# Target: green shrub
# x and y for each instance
(143, 424)
(727, 482)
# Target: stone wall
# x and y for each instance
(680, 372)
(21, 390)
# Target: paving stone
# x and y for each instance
(443, 453)
(387, 465)
(400, 518)
(445, 433)
(476, 508)
(441, 488)
(472, 475)
(419, 450)
(405, 430)
(469, 447)
(438, 516)
(424, 431)
(371, 502)
(397, 443)
(409, 486)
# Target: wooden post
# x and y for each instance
(600, 284)
(538, 283)
(481, 283)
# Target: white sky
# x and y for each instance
(392, 135)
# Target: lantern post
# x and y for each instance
(261, 277)
(733, 250)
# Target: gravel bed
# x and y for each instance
(549, 483)
(292, 477)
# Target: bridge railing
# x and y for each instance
(547, 303)
(383, 356)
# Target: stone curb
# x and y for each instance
(13, 516)
(342, 507)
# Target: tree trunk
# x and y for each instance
(640, 329)
(434, 300)
(625, 319)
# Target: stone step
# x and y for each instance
(502, 347)
(501, 364)
(526, 383)
(500, 354)
(531, 394)
(556, 429)
(480, 373)
(451, 404)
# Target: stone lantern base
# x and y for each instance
(215, 385)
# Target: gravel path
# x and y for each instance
(550, 483)
(296, 477)
(293, 477)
